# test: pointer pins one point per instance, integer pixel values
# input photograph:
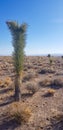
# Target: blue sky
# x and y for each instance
(45, 20)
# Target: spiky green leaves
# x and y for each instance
(19, 40)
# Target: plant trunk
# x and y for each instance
(18, 84)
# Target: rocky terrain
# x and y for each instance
(42, 93)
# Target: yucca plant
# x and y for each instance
(50, 60)
(18, 33)
(49, 56)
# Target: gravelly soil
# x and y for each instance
(42, 76)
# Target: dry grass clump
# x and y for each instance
(58, 82)
(27, 77)
(32, 88)
(45, 82)
(19, 113)
(1, 83)
(51, 91)
(53, 83)
(7, 81)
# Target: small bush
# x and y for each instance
(32, 88)
(57, 82)
(45, 82)
(28, 77)
(23, 116)
(19, 113)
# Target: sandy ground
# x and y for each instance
(40, 77)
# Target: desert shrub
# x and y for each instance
(57, 82)
(53, 83)
(19, 113)
(22, 117)
(28, 77)
(45, 82)
(32, 88)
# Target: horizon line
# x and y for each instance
(52, 54)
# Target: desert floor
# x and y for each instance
(42, 93)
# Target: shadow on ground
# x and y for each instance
(57, 124)
(55, 86)
(27, 95)
(5, 90)
(7, 101)
(47, 95)
(8, 124)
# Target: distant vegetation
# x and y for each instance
(49, 55)
(62, 57)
